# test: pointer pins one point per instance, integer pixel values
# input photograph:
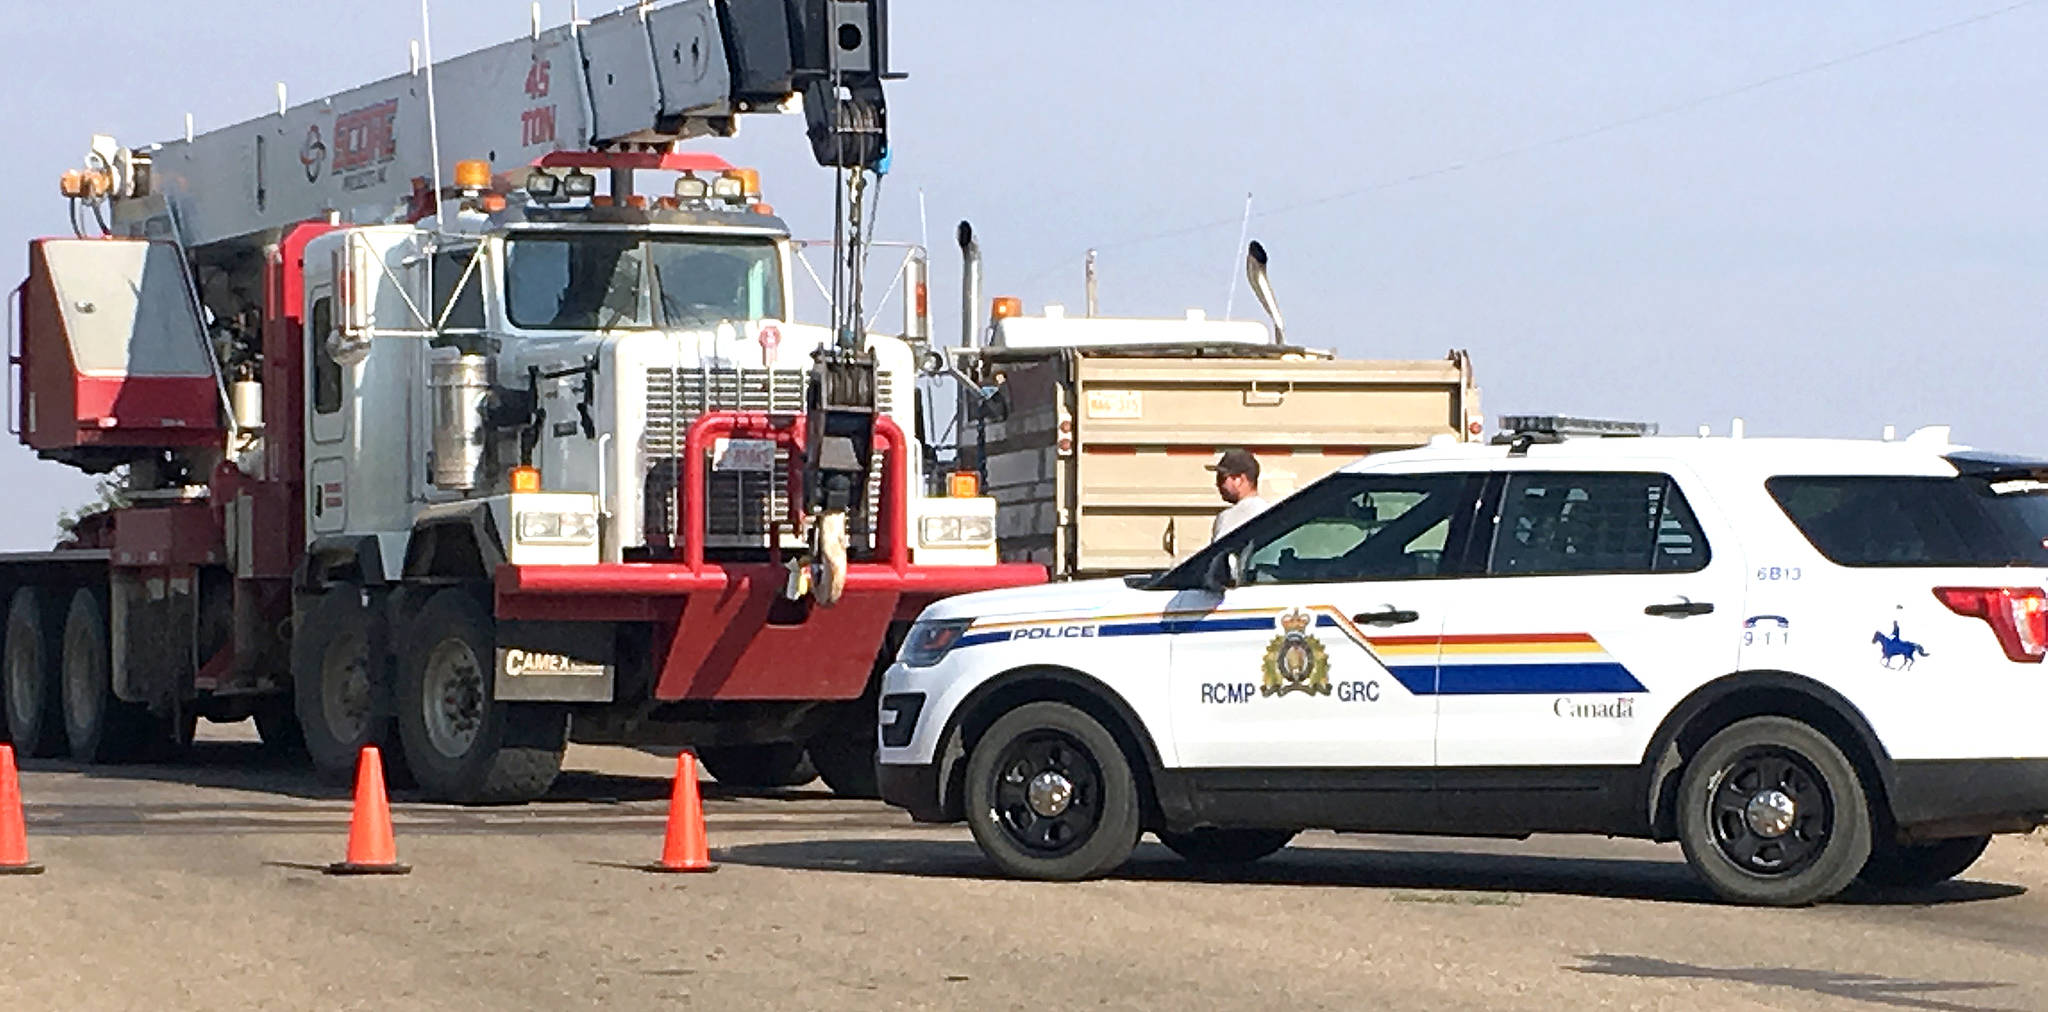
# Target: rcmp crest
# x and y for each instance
(1295, 661)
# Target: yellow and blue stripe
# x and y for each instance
(1456, 665)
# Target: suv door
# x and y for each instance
(1607, 597)
(1324, 655)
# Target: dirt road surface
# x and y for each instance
(198, 887)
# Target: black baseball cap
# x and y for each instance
(1237, 462)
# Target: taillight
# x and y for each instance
(2018, 615)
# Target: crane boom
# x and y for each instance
(640, 78)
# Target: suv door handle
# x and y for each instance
(1391, 616)
(1681, 609)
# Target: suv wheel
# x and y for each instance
(1772, 813)
(1050, 795)
(1922, 864)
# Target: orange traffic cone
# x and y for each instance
(13, 830)
(683, 848)
(371, 849)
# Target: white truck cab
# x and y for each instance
(1804, 660)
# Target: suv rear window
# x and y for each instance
(1899, 521)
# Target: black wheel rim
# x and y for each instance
(1048, 793)
(1772, 812)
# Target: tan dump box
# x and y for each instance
(1100, 466)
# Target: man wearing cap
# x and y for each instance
(1237, 481)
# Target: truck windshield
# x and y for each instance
(607, 280)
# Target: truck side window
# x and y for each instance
(1555, 523)
(326, 371)
(1359, 527)
(452, 268)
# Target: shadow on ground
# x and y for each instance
(1453, 872)
(248, 766)
(1897, 992)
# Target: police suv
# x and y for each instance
(1804, 660)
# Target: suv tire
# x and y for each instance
(1050, 795)
(1772, 813)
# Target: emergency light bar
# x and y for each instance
(1560, 426)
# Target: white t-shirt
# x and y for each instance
(1237, 513)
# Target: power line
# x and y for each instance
(1504, 154)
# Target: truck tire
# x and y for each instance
(341, 684)
(462, 745)
(1050, 795)
(1917, 865)
(35, 707)
(1770, 812)
(845, 754)
(277, 726)
(778, 764)
(99, 727)
(1226, 846)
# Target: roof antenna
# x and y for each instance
(433, 123)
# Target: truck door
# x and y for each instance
(330, 400)
(1325, 655)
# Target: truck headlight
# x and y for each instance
(930, 642)
(936, 531)
(557, 527)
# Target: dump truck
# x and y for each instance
(1094, 434)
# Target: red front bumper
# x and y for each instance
(718, 631)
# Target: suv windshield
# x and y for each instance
(606, 280)
(1874, 521)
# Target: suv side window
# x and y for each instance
(1565, 522)
(1363, 527)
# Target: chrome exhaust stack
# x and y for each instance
(1262, 286)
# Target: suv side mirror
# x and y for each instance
(1226, 570)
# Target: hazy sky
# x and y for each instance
(1862, 244)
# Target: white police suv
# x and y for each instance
(1803, 660)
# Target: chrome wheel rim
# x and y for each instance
(452, 698)
(346, 695)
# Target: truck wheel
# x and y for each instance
(100, 727)
(35, 709)
(1922, 864)
(845, 755)
(278, 728)
(461, 744)
(1772, 813)
(1050, 795)
(1226, 846)
(341, 683)
(780, 764)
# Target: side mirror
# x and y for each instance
(1226, 570)
(355, 287)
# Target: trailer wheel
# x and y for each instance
(35, 711)
(777, 764)
(100, 727)
(341, 684)
(461, 744)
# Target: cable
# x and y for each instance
(1559, 140)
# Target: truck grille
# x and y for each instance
(743, 506)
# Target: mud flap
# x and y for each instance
(554, 662)
(154, 615)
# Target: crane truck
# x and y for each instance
(463, 463)
(472, 460)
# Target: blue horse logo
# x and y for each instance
(1897, 648)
